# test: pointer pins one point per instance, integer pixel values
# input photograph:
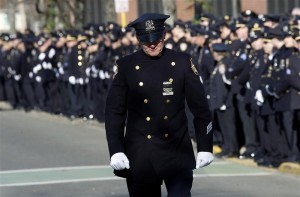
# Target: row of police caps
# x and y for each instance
(89, 34)
(282, 25)
(286, 25)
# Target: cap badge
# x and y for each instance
(149, 25)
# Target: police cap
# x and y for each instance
(149, 27)
(220, 47)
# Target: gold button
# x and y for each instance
(148, 119)
(165, 117)
(166, 135)
(79, 57)
(141, 84)
(168, 101)
(137, 67)
(79, 52)
(173, 63)
(145, 100)
(79, 47)
(171, 80)
(79, 63)
(149, 137)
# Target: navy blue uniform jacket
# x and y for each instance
(145, 115)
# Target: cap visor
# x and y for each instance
(151, 37)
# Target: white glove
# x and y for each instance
(204, 159)
(37, 68)
(80, 81)
(101, 74)
(119, 161)
(223, 108)
(221, 69)
(42, 56)
(51, 53)
(87, 71)
(45, 65)
(248, 85)
(107, 76)
(259, 97)
(17, 77)
(61, 70)
(72, 80)
(38, 78)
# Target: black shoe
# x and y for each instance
(265, 164)
(247, 155)
(221, 154)
(226, 154)
(231, 155)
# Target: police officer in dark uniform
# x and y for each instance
(240, 63)
(221, 102)
(277, 147)
(149, 91)
(287, 97)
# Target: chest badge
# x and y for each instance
(167, 88)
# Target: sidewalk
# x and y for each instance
(286, 167)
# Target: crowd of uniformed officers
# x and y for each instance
(249, 65)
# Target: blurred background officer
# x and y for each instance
(221, 101)
(149, 91)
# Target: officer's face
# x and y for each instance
(225, 31)
(242, 33)
(289, 42)
(154, 48)
(268, 47)
(257, 44)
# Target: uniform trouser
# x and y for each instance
(251, 142)
(64, 97)
(18, 92)
(52, 93)
(260, 129)
(179, 185)
(40, 94)
(297, 126)
(273, 140)
(76, 94)
(2, 92)
(9, 90)
(287, 123)
(103, 90)
(227, 125)
(28, 91)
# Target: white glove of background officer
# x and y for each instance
(204, 159)
(119, 161)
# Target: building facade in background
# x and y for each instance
(34, 14)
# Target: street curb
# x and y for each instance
(5, 105)
(289, 167)
(216, 149)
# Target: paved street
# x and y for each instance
(42, 155)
